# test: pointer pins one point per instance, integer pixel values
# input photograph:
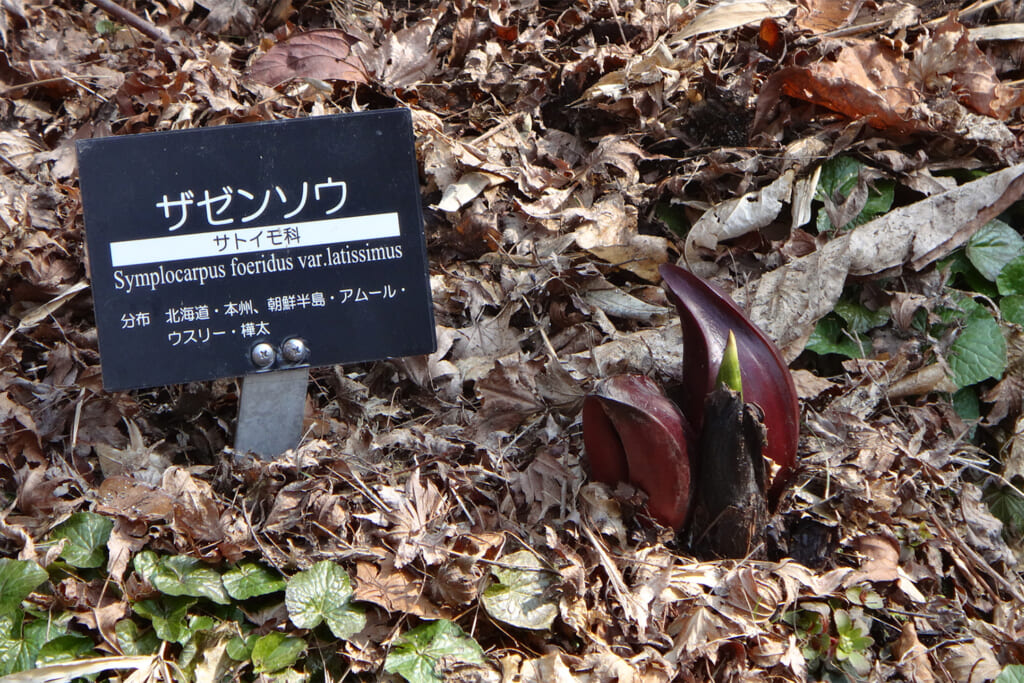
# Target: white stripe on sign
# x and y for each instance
(226, 242)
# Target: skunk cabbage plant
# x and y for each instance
(633, 432)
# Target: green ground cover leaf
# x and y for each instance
(21, 640)
(323, 594)
(1008, 507)
(18, 578)
(1012, 308)
(860, 318)
(181, 575)
(249, 580)
(979, 351)
(276, 651)
(134, 640)
(520, 595)
(64, 648)
(829, 336)
(240, 649)
(1014, 673)
(966, 404)
(168, 616)
(994, 246)
(852, 642)
(415, 654)
(1011, 278)
(87, 534)
(839, 178)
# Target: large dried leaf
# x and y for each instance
(787, 302)
(871, 80)
(723, 16)
(325, 55)
(405, 57)
(237, 14)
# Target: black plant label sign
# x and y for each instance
(206, 243)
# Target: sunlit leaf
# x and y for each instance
(249, 580)
(181, 575)
(18, 578)
(276, 651)
(415, 654)
(520, 595)
(994, 246)
(322, 594)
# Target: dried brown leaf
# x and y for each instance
(237, 14)
(973, 661)
(416, 514)
(324, 54)
(726, 15)
(912, 655)
(881, 558)
(396, 590)
(950, 59)
(133, 499)
(406, 57)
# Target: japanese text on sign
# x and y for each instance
(217, 207)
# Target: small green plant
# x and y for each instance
(844, 330)
(1007, 504)
(417, 654)
(839, 178)
(852, 641)
(834, 640)
(204, 616)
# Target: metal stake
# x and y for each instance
(272, 404)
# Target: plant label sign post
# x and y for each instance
(259, 250)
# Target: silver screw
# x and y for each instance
(294, 350)
(263, 355)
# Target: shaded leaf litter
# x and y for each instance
(566, 151)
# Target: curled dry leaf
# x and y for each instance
(324, 54)
(707, 317)
(870, 79)
(728, 15)
(633, 432)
